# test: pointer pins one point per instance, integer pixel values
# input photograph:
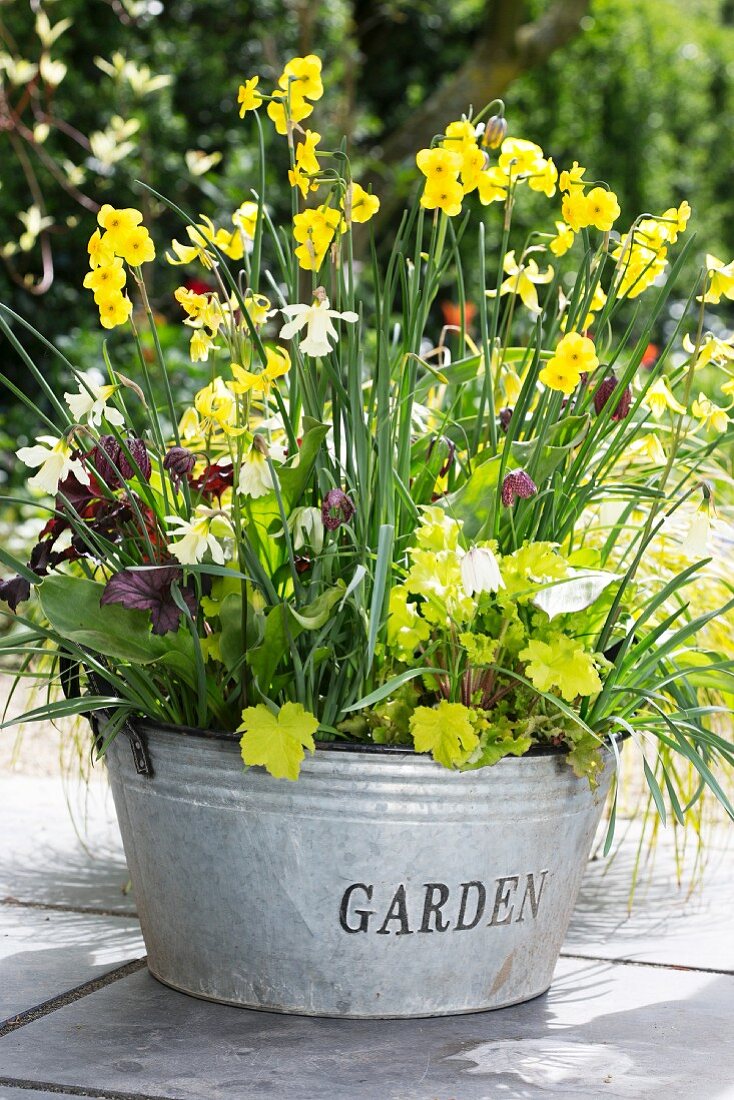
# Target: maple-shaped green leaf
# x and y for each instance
(277, 741)
(446, 731)
(585, 757)
(561, 663)
(495, 748)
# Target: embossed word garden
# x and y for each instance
(363, 628)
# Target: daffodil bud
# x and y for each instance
(495, 131)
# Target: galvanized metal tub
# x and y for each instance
(378, 885)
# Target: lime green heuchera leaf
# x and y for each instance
(480, 648)
(561, 663)
(277, 742)
(446, 731)
(585, 756)
(494, 748)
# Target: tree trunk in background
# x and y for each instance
(506, 46)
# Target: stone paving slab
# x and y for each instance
(689, 924)
(45, 953)
(61, 852)
(604, 1029)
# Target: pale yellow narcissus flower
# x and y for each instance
(90, 404)
(647, 449)
(217, 408)
(245, 219)
(317, 320)
(246, 381)
(712, 350)
(659, 398)
(55, 459)
(711, 415)
(720, 280)
(522, 278)
(194, 537)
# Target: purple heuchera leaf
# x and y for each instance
(605, 391)
(179, 462)
(336, 509)
(517, 484)
(150, 590)
(14, 591)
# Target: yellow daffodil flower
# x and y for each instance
(101, 252)
(574, 355)
(712, 350)
(314, 231)
(217, 408)
(283, 113)
(257, 306)
(522, 278)
(720, 280)
(135, 246)
(106, 279)
(659, 397)
(358, 205)
(114, 310)
(439, 164)
(573, 178)
(201, 343)
(492, 185)
(303, 76)
(544, 178)
(520, 158)
(602, 209)
(245, 219)
(711, 415)
(306, 164)
(563, 239)
(248, 96)
(443, 193)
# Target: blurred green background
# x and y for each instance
(638, 90)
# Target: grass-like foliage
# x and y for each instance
(468, 540)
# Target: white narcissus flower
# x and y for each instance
(256, 479)
(195, 537)
(54, 456)
(480, 571)
(317, 319)
(91, 402)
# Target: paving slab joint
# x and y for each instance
(646, 962)
(75, 994)
(58, 907)
(79, 1090)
